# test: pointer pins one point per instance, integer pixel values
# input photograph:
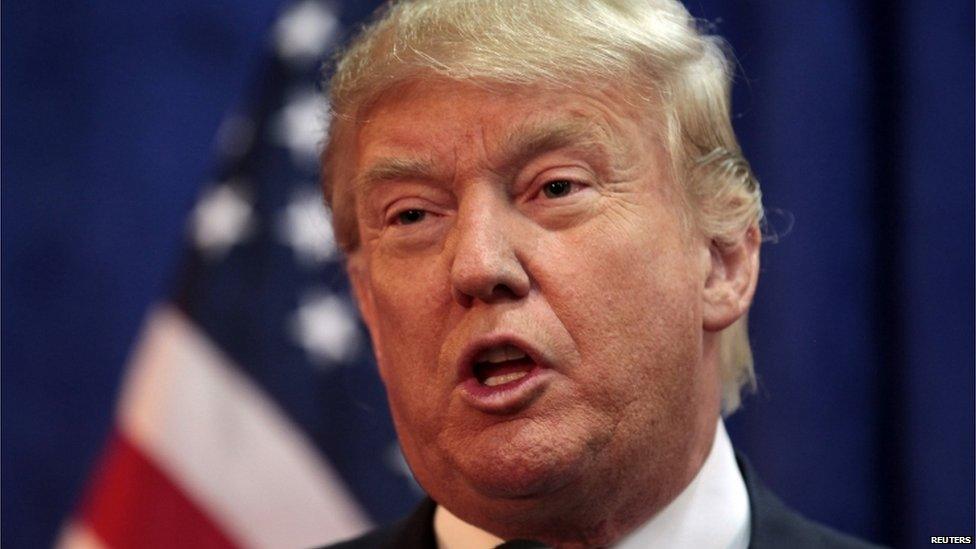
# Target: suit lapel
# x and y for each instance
(417, 530)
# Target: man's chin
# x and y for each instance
(543, 504)
(514, 479)
(522, 465)
(528, 479)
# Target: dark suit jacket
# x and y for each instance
(774, 526)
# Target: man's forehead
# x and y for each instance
(403, 138)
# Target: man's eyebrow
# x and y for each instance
(521, 145)
(394, 169)
(531, 140)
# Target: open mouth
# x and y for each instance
(501, 364)
(502, 375)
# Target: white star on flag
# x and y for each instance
(301, 125)
(222, 218)
(305, 31)
(306, 226)
(325, 326)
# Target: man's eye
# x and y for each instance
(409, 217)
(557, 189)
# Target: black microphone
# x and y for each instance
(522, 544)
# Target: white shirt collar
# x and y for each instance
(711, 513)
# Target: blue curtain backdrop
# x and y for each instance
(858, 119)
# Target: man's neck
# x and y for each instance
(711, 512)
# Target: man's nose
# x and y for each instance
(486, 265)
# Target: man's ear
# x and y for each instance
(363, 291)
(361, 288)
(731, 280)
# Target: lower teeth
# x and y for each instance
(498, 380)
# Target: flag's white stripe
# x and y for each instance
(224, 442)
(78, 536)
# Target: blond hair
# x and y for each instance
(652, 47)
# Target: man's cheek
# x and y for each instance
(409, 405)
(399, 311)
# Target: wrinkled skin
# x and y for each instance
(463, 234)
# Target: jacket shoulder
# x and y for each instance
(775, 525)
(415, 531)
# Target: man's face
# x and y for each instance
(534, 294)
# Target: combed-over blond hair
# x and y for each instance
(653, 48)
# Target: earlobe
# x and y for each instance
(731, 280)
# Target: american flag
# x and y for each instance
(251, 414)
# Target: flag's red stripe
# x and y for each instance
(131, 503)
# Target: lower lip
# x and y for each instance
(507, 398)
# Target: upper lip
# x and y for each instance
(480, 344)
